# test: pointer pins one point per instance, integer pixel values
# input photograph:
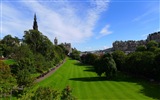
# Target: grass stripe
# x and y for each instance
(85, 85)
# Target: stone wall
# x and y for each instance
(129, 46)
(154, 36)
(68, 47)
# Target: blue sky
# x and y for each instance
(86, 24)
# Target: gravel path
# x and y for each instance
(49, 73)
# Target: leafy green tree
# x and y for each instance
(106, 64)
(25, 60)
(152, 45)
(37, 41)
(110, 65)
(24, 78)
(99, 68)
(10, 41)
(8, 45)
(40, 63)
(75, 54)
(7, 81)
(141, 48)
(156, 70)
(24, 66)
(64, 49)
(89, 58)
(45, 93)
(119, 58)
(67, 94)
(141, 63)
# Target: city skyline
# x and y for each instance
(86, 24)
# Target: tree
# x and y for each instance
(110, 66)
(45, 93)
(24, 66)
(40, 63)
(8, 45)
(24, 78)
(156, 70)
(106, 64)
(152, 45)
(141, 48)
(67, 94)
(140, 64)
(7, 81)
(119, 58)
(24, 58)
(89, 58)
(75, 54)
(99, 68)
(40, 44)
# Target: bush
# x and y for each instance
(7, 81)
(45, 93)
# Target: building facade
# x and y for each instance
(154, 36)
(130, 46)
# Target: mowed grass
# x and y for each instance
(9, 61)
(86, 85)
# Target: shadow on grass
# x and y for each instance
(149, 89)
(80, 64)
(89, 69)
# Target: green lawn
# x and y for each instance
(86, 84)
(9, 61)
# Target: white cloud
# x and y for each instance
(105, 31)
(12, 21)
(147, 15)
(106, 47)
(55, 19)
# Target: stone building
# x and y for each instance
(130, 46)
(154, 36)
(127, 46)
(68, 47)
(55, 41)
(35, 25)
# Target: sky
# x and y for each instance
(86, 24)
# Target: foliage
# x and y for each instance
(45, 93)
(37, 41)
(64, 49)
(8, 46)
(102, 64)
(40, 63)
(119, 58)
(42, 47)
(156, 69)
(24, 60)
(67, 94)
(7, 81)
(89, 58)
(110, 65)
(24, 78)
(141, 48)
(144, 62)
(24, 66)
(75, 54)
(152, 45)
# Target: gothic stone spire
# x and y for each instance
(35, 26)
(55, 41)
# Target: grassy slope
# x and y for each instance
(86, 84)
